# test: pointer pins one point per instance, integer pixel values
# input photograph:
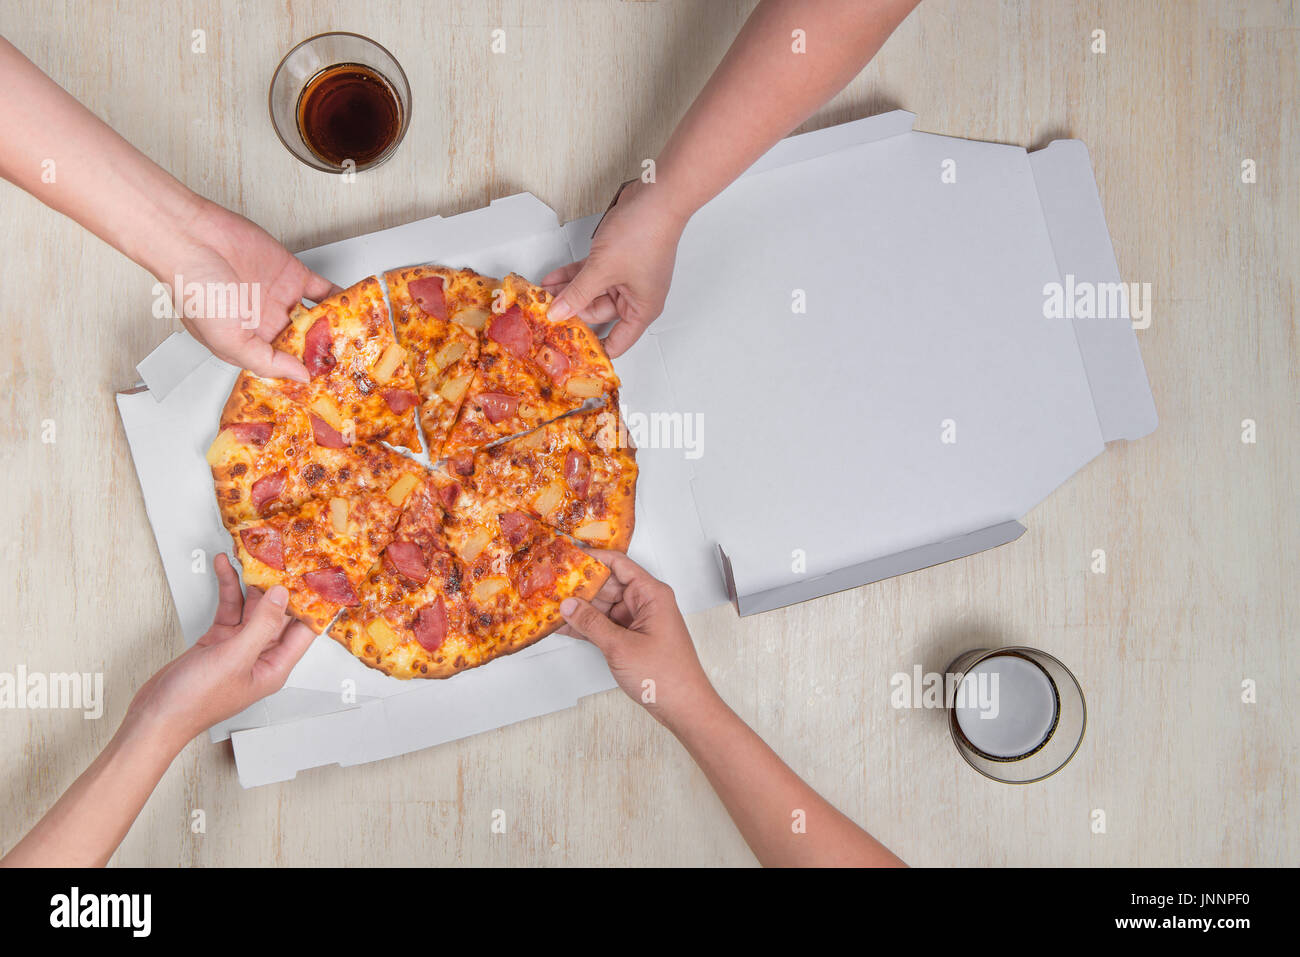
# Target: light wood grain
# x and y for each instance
(1200, 529)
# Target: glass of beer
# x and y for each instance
(340, 102)
(1017, 715)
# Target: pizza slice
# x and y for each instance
(271, 454)
(360, 385)
(320, 551)
(412, 620)
(577, 474)
(516, 572)
(530, 369)
(437, 315)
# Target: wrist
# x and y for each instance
(179, 223)
(151, 736)
(150, 723)
(698, 707)
(658, 202)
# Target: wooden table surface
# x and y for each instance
(1200, 529)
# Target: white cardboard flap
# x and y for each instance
(1077, 224)
(890, 566)
(168, 365)
(918, 397)
(513, 233)
(523, 688)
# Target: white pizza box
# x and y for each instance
(858, 324)
(360, 714)
(784, 454)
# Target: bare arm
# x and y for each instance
(765, 87)
(246, 654)
(789, 59)
(783, 820)
(89, 821)
(636, 624)
(69, 159)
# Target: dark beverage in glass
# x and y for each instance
(340, 103)
(349, 112)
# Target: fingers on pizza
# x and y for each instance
(319, 552)
(360, 386)
(531, 369)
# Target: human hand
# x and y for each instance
(245, 656)
(225, 250)
(635, 622)
(627, 274)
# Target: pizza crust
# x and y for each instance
(365, 469)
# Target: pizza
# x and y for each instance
(577, 473)
(530, 369)
(361, 387)
(319, 551)
(437, 315)
(270, 454)
(424, 571)
(461, 584)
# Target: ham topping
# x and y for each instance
(498, 406)
(430, 625)
(264, 543)
(318, 348)
(253, 433)
(332, 584)
(268, 488)
(325, 434)
(540, 574)
(554, 364)
(407, 559)
(399, 400)
(448, 494)
(511, 331)
(515, 526)
(577, 472)
(429, 296)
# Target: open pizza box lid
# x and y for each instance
(853, 378)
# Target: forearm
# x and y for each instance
(764, 88)
(65, 156)
(785, 822)
(88, 823)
